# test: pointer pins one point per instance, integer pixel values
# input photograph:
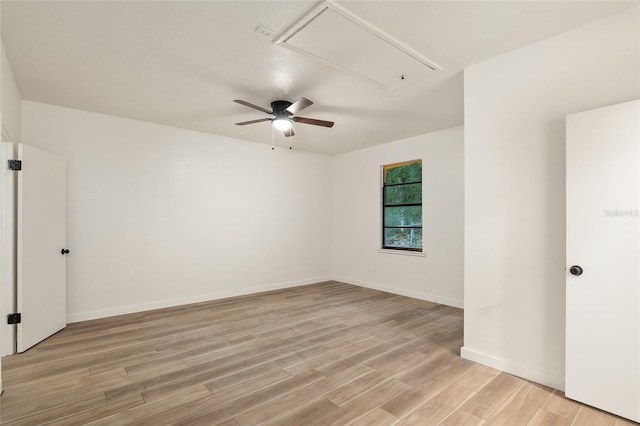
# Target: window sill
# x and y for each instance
(403, 252)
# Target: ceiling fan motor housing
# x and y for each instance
(279, 108)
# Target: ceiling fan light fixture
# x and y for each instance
(281, 123)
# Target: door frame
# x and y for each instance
(8, 259)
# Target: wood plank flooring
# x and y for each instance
(326, 354)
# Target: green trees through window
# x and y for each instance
(402, 206)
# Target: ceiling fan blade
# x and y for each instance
(313, 121)
(238, 101)
(244, 123)
(298, 106)
(289, 132)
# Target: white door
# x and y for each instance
(41, 237)
(603, 239)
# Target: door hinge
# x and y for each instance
(14, 318)
(15, 165)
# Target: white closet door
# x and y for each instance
(603, 239)
(41, 233)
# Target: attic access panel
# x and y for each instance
(339, 39)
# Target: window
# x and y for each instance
(402, 206)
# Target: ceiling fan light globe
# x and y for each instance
(282, 124)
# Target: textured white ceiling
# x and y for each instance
(182, 63)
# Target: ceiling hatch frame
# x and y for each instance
(363, 31)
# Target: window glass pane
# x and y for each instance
(403, 194)
(402, 219)
(404, 174)
(403, 237)
(403, 216)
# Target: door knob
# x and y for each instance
(575, 270)
(64, 251)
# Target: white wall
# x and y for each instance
(515, 108)
(10, 99)
(159, 216)
(438, 276)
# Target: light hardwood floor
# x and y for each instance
(328, 353)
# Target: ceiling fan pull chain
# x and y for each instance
(291, 141)
(273, 141)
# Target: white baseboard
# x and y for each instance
(130, 309)
(543, 378)
(402, 292)
(121, 310)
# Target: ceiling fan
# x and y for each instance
(284, 115)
